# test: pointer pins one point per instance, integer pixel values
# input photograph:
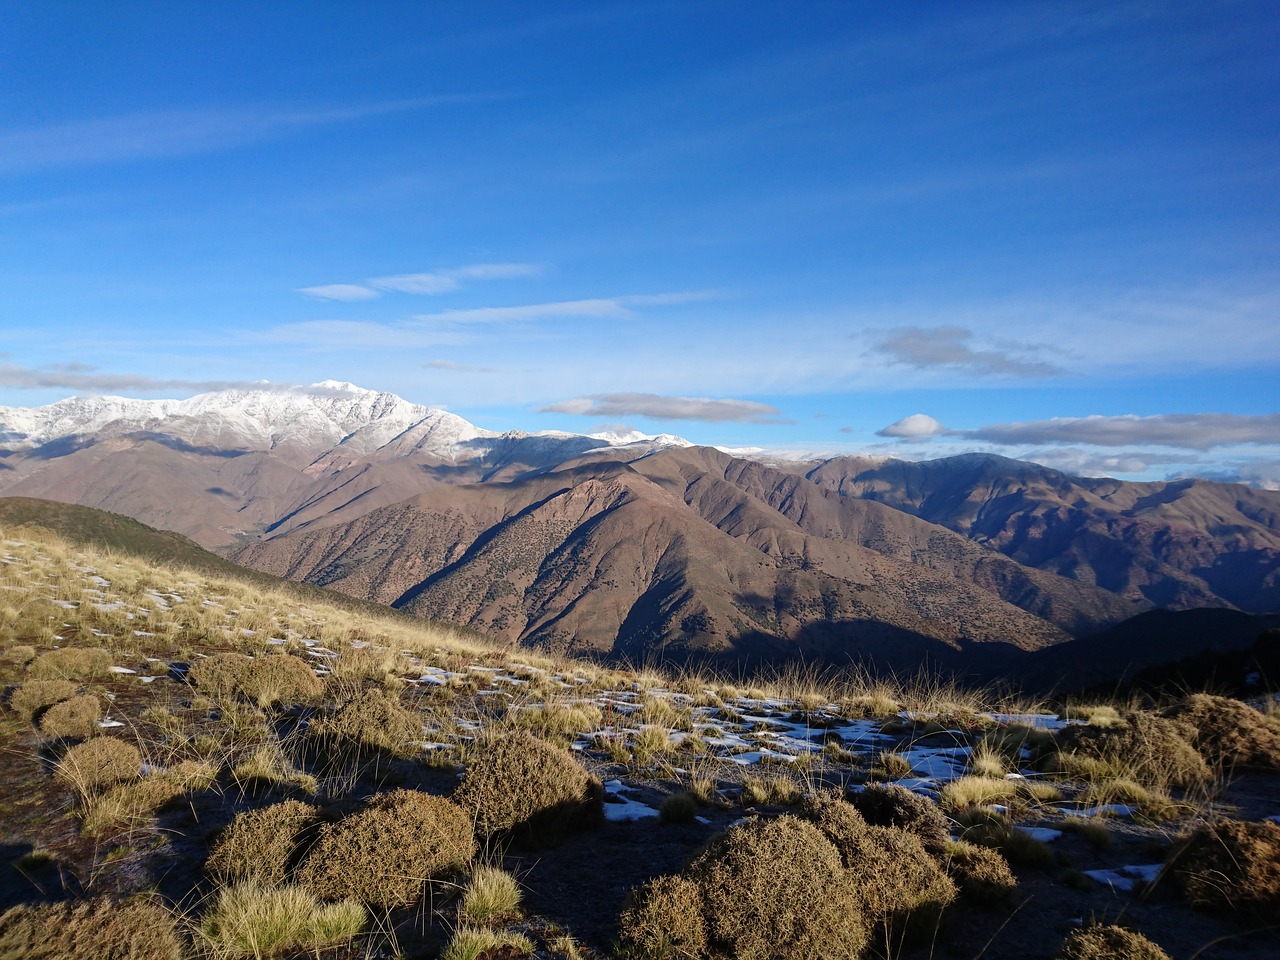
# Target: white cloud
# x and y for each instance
(455, 367)
(915, 426)
(1195, 431)
(668, 408)
(531, 311)
(79, 376)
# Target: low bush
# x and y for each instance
(219, 675)
(70, 663)
(102, 929)
(664, 919)
(520, 785)
(74, 719)
(99, 763)
(386, 853)
(894, 806)
(1230, 733)
(678, 808)
(1099, 942)
(251, 920)
(262, 845)
(1152, 749)
(989, 828)
(981, 873)
(1232, 865)
(372, 721)
(777, 889)
(33, 696)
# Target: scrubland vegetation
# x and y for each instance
(199, 767)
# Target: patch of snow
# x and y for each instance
(120, 670)
(619, 808)
(1126, 878)
(1103, 810)
(1043, 834)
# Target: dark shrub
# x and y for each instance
(888, 805)
(981, 873)
(1230, 733)
(371, 722)
(664, 919)
(1098, 942)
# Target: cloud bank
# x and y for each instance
(950, 347)
(1191, 431)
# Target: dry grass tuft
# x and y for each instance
(250, 920)
(33, 696)
(74, 719)
(491, 895)
(388, 852)
(969, 792)
(102, 929)
(99, 763)
(680, 807)
(480, 943)
(1099, 942)
(1232, 865)
(520, 785)
(70, 663)
(132, 804)
(262, 845)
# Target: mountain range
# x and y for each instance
(640, 546)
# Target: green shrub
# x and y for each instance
(372, 721)
(102, 929)
(1232, 865)
(250, 920)
(386, 853)
(99, 763)
(981, 873)
(1230, 733)
(1098, 942)
(777, 889)
(262, 845)
(520, 785)
(33, 696)
(74, 719)
(888, 805)
(70, 663)
(664, 920)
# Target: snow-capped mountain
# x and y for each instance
(221, 466)
(334, 420)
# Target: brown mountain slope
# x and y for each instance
(608, 556)
(1178, 544)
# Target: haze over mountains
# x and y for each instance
(631, 544)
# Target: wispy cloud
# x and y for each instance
(951, 347)
(450, 365)
(79, 376)
(1192, 431)
(668, 408)
(158, 134)
(916, 426)
(430, 282)
(531, 311)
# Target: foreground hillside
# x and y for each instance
(199, 766)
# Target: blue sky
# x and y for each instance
(1048, 230)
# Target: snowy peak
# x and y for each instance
(326, 424)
